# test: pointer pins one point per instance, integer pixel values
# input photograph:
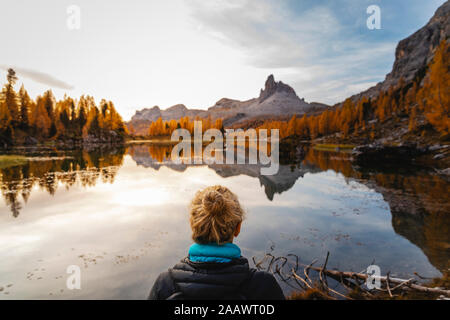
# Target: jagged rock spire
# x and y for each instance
(271, 87)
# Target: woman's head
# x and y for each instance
(215, 215)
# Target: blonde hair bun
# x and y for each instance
(213, 203)
(214, 215)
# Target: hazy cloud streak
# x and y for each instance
(40, 77)
(318, 53)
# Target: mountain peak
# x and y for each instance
(275, 100)
(271, 87)
(270, 80)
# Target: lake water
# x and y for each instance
(122, 217)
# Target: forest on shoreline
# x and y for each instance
(24, 121)
(421, 106)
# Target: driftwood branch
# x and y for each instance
(349, 281)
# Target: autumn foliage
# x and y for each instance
(435, 94)
(165, 128)
(45, 118)
(426, 97)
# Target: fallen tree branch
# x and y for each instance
(350, 281)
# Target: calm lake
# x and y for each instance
(121, 215)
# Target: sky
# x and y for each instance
(141, 53)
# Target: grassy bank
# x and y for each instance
(334, 147)
(11, 161)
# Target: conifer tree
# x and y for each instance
(25, 108)
(9, 97)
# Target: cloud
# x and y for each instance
(314, 49)
(270, 35)
(40, 77)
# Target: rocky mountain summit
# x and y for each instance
(277, 99)
(272, 87)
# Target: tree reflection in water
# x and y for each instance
(419, 200)
(50, 170)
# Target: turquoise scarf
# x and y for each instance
(213, 252)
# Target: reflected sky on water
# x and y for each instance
(122, 216)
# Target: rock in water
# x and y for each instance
(378, 153)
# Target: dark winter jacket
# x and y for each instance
(202, 280)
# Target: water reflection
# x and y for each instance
(122, 202)
(155, 157)
(419, 201)
(50, 170)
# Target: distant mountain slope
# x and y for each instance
(175, 112)
(275, 100)
(142, 119)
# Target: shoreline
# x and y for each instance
(436, 156)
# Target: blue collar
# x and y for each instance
(212, 252)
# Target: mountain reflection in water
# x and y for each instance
(418, 199)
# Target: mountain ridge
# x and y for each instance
(276, 99)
